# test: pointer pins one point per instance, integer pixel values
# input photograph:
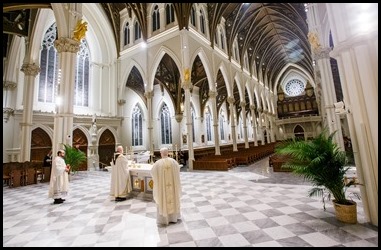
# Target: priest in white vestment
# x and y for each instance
(59, 178)
(166, 188)
(120, 177)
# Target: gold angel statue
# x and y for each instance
(186, 74)
(80, 30)
(314, 40)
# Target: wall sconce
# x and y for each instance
(182, 107)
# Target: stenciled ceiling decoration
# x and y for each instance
(273, 34)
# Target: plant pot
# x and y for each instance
(346, 213)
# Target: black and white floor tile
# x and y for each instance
(246, 206)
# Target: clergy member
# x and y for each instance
(166, 188)
(120, 177)
(59, 178)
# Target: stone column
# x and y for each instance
(260, 128)
(329, 97)
(63, 121)
(232, 122)
(267, 125)
(8, 87)
(254, 124)
(30, 71)
(243, 106)
(212, 96)
(149, 96)
(186, 86)
(272, 129)
(359, 86)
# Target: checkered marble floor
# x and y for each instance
(247, 206)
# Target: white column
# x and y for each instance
(260, 128)
(186, 86)
(360, 98)
(212, 96)
(272, 129)
(63, 121)
(254, 124)
(30, 71)
(149, 96)
(329, 94)
(233, 121)
(243, 106)
(8, 110)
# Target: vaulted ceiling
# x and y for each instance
(274, 35)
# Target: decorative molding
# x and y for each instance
(242, 104)
(230, 100)
(212, 94)
(149, 94)
(30, 69)
(179, 117)
(64, 44)
(322, 53)
(9, 85)
(187, 85)
(252, 107)
(7, 112)
(259, 109)
(121, 101)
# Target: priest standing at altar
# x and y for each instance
(120, 177)
(166, 188)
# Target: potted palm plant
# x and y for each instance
(74, 157)
(321, 162)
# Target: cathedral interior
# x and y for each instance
(203, 79)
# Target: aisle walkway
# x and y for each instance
(247, 206)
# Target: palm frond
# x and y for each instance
(319, 161)
(74, 157)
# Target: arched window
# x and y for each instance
(126, 34)
(202, 22)
(208, 122)
(221, 121)
(193, 17)
(137, 126)
(166, 130)
(193, 117)
(170, 13)
(155, 19)
(138, 31)
(81, 89)
(47, 88)
(48, 85)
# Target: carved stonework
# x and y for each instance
(231, 100)
(212, 94)
(7, 112)
(30, 69)
(187, 85)
(9, 85)
(314, 41)
(322, 53)
(259, 109)
(242, 104)
(121, 101)
(179, 117)
(149, 94)
(65, 44)
(252, 107)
